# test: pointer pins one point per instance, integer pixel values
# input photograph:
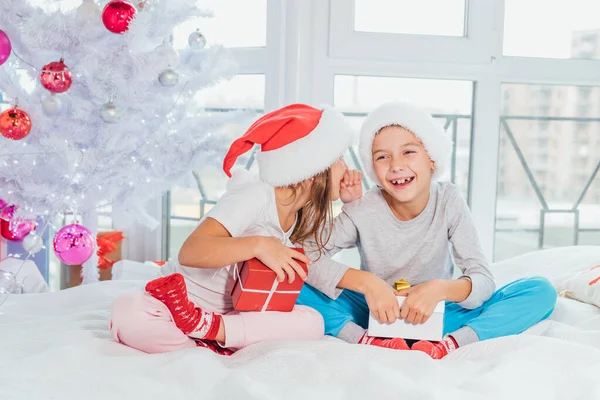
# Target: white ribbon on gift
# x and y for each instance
(271, 292)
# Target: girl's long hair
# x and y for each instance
(313, 218)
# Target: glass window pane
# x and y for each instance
(105, 220)
(242, 91)
(449, 101)
(549, 152)
(234, 24)
(191, 198)
(179, 230)
(552, 29)
(411, 17)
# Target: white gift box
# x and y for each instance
(432, 330)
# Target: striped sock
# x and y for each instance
(192, 320)
(436, 350)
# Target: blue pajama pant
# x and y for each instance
(511, 309)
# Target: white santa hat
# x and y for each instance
(436, 141)
(297, 142)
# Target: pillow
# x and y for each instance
(557, 264)
(583, 286)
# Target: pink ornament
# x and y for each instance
(16, 229)
(117, 15)
(3, 203)
(73, 244)
(56, 77)
(5, 47)
(7, 213)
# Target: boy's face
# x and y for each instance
(401, 164)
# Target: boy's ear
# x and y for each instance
(432, 165)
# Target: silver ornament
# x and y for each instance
(196, 40)
(168, 77)
(32, 243)
(51, 104)
(110, 113)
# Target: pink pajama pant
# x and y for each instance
(140, 321)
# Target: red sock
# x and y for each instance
(213, 346)
(171, 291)
(393, 343)
(436, 350)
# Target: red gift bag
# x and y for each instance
(256, 288)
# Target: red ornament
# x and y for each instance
(16, 229)
(15, 124)
(56, 77)
(117, 14)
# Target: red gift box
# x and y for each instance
(256, 288)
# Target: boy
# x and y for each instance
(403, 229)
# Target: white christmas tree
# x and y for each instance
(110, 105)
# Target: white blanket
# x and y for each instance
(57, 346)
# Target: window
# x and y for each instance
(411, 17)
(584, 92)
(541, 195)
(504, 93)
(552, 29)
(234, 24)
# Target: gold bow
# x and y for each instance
(401, 284)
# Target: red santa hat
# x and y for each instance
(297, 142)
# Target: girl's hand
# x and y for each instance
(382, 301)
(351, 186)
(421, 301)
(280, 258)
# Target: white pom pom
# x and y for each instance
(241, 177)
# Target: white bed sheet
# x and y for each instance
(57, 346)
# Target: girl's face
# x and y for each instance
(402, 165)
(336, 174)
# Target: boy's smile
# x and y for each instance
(404, 170)
(402, 182)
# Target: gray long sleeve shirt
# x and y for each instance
(417, 250)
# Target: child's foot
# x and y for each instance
(171, 291)
(436, 350)
(393, 343)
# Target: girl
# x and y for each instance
(300, 170)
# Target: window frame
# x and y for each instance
(478, 57)
(309, 42)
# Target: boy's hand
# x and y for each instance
(351, 186)
(421, 301)
(382, 301)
